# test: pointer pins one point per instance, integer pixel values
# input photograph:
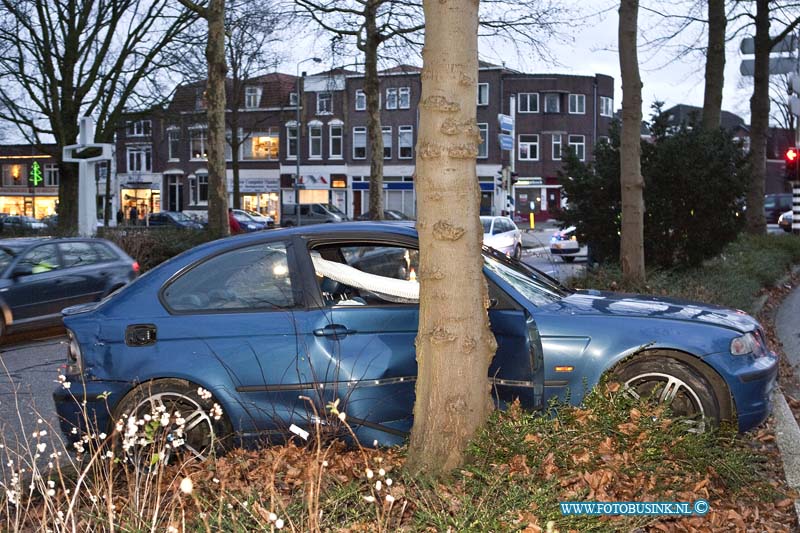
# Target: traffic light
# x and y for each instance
(514, 179)
(790, 158)
(499, 180)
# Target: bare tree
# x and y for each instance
(454, 343)
(631, 182)
(214, 14)
(63, 60)
(369, 24)
(780, 114)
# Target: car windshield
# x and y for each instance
(332, 208)
(181, 217)
(539, 288)
(487, 224)
(28, 219)
(6, 255)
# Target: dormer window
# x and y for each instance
(252, 97)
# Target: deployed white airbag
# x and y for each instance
(390, 289)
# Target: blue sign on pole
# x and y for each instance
(506, 141)
(506, 123)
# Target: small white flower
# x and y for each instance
(389, 498)
(324, 464)
(342, 416)
(378, 485)
(42, 433)
(102, 436)
(215, 480)
(74, 431)
(66, 384)
(389, 482)
(51, 492)
(203, 393)
(164, 419)
(272, 517)
(41, 447)
(382, 472)
(370, 473)
(147, 418)
(279, 523)
(187, 486)
(172, 529)
(369, 499)
(51, 483)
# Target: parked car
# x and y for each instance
(19, 222)
(173, 219)
(785, 221)
(775, 204)
(247, 222)
(265, 220)
(502, 234)
(259, 322)
(565, 244)
(388, 214)
(311, 214)
(40, 276)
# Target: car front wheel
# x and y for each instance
(665, 380)
(518, 252)
(170, 416)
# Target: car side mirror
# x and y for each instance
(22, 270)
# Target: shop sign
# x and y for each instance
(260, 185)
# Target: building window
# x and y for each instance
(606, 106)
(556, 147)
(577, 104)
(291, 142)
(387, 142)
(359, 143)
(138, 128)
(252, 97)
(198, 140)
(15, 175)
(293, 98)
(200, 99)
(528, 148)
(483, 148)
(315, 142)
(361, 100)
(324, 105)
(51, 174)
(173, 143)
(405, 142)
(336, 132)
(483, 94)
(602, 139)
(577, 143)
(552, 103)
(202, 189)
(404, 96)
(391, 98)
(263, 145)
(528, 102)
(140, 159)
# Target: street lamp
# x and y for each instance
(299, 136)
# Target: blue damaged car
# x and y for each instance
(273, 326)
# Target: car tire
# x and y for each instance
(568, 258)
(517, 252)
(692, 395)
(203, 434)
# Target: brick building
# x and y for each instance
(19, 195)
(161, 155)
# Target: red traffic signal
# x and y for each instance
(791, 155)
(791, 158)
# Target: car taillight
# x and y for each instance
(135, 266)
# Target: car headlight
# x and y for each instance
(745, 345)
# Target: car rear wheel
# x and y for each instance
(171, 417)
(517, 252)
(665, 380)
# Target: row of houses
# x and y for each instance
(315, 127)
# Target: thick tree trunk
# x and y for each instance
(215, 96)
(454, 345)
(759, 117)
(715, 64)
(68, 197)
(632, 239)
(372, 90)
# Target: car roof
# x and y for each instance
(18, 244)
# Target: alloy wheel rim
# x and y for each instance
(673, 391)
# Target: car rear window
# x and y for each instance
(75, 254)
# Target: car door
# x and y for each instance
(367, 357)
(37, 291)
(242, 310)
(84, 275)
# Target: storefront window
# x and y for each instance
(15, 175)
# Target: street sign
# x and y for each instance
(788, 44)
(777, 65)
(506, 141)
(506, 123)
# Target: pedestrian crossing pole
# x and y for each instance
(796, 207)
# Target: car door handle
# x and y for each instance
(335, 331)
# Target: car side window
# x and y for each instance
(367, 274)
(246, 279)
(75, 254)
(41, 259)
(498, 227)
(103, 252)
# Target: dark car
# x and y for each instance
(41, 276)
(20, 222)
(239, 334)
(173, 219)
(775, 205)
(388, 214)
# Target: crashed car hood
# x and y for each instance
(591, 302)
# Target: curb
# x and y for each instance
(787, 433)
